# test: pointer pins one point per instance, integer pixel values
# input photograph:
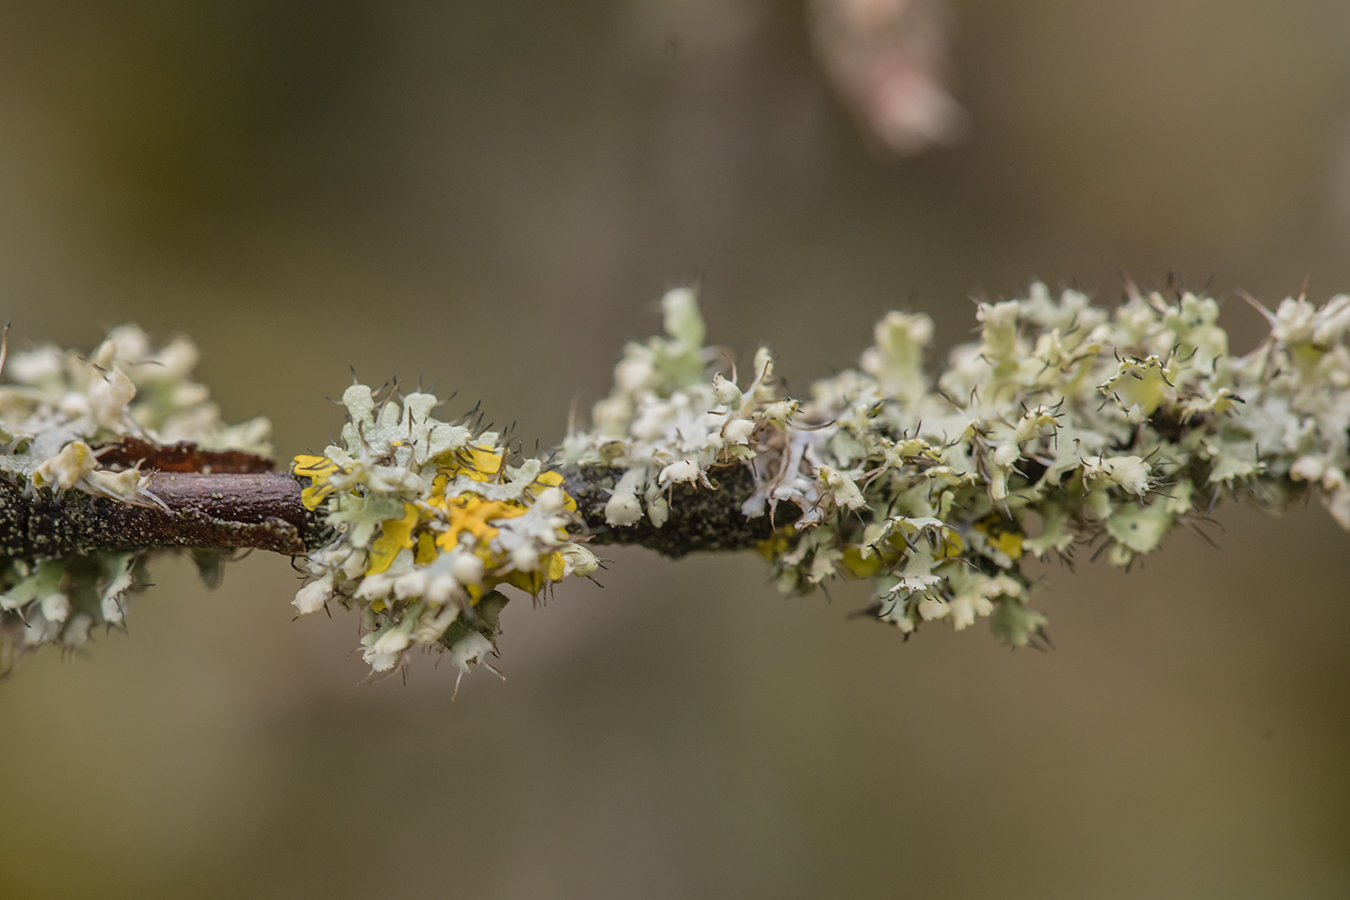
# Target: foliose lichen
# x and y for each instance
(428, 519)
(60, 410)
(1066, 424)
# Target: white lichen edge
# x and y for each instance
(1065, 423)
(59, 406)
(429, 519)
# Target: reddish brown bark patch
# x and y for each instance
(181, 457)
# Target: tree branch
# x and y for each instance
(1066, 424)
(260, 511)
(700, 518)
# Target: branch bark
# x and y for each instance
(700, 519)
(262, 511)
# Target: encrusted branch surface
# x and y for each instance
(259, 511)
(701, 518)
(263, 511)
(1065, 426)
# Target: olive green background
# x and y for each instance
(492, 196)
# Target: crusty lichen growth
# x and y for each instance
(428, 520)
(57, 410)
(1065, 424)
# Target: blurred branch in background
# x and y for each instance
(890, 62)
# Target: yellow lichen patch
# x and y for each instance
(1005, 541)
(857, 566)
(318, 469)
(770, 547)
(947, 543)
(1010, 542)
(427, 519)
(555, 479)
(483, 465)
(396, 535)
(472, 513)
(479, 463)
(426, 549)
(529, 582)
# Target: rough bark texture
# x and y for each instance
(262, 511)
(700, 518)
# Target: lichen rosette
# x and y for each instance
(428, 520)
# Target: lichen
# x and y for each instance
(428, 519)
(1066, 424)
(59, 412)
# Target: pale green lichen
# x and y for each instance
(1065, 424)
(124, 388)
(57, 410)
(428, 520)
(1089, 425)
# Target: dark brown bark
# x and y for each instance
(700, 518)
(262, 511)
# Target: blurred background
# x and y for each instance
(492, 196)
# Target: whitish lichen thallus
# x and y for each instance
(1065, 424)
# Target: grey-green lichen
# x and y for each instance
(58, 409)
(428, 518)
(1065, 424)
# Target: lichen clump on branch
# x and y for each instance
(58, 415)
(1065, 424)
(428, 520)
